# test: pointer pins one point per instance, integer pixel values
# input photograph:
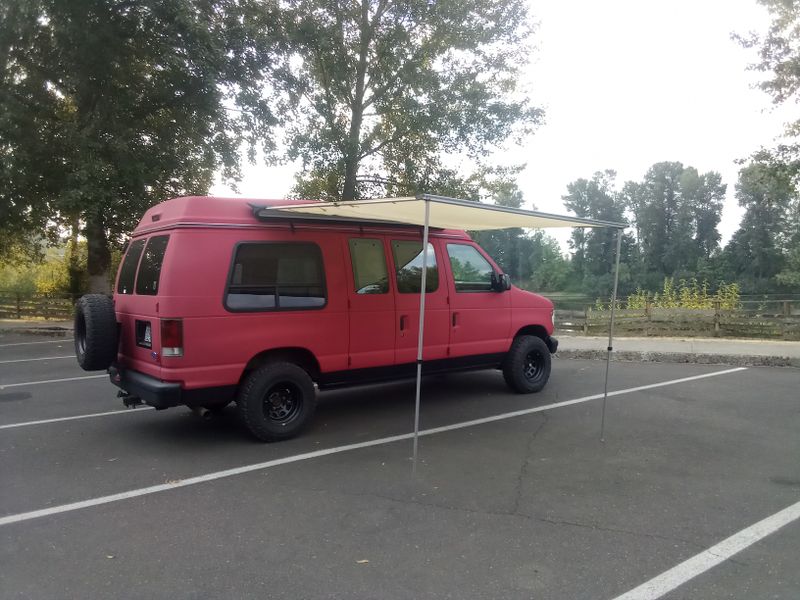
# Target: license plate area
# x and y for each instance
(144, 334)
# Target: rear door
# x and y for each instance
(480, 318)
(136, 302)
(407, 262)
(371, 302)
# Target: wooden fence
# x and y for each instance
(763, 319)
(14, 305)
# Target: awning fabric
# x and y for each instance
(445, 213)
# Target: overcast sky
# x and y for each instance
(625, 84)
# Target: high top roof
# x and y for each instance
(200, 210)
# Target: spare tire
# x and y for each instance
(95, 332)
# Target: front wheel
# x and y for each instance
(526, 368)
(276, 401)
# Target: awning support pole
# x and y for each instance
(610, 334)
(423, 282)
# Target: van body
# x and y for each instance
(207, 295)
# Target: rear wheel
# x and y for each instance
(95, 332)
(276, 401)
(526, 368)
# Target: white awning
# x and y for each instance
(445, 213)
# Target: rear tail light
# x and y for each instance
(171, 337)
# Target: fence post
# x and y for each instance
(787, 308)
(648, 313)
(585, 320)
(19, 309)
(717, 305)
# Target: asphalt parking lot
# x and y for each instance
(146, 504)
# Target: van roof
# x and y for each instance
(216, 210)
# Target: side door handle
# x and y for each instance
(455, 319)
(403, 319)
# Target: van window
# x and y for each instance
(408, 267)
(127, 272)
(471, 272)
(276, 276)
(150, 267)
(369, 266)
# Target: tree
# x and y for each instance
(594, 249)
(779, 54)
(108, 106)
(382, 88)
(676, 211)
(767, 189)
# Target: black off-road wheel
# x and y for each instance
(95, 329)
(276, 401)
(526, 368)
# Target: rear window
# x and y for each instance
(127, 272)
(150, 267)
(276, 276)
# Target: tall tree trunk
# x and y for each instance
(73, 266)
(352, 158)
(99, 256)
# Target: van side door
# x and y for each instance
(480, 317)
(407, 263)
(371, 302)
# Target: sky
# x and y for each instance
(626, 84)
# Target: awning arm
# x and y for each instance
(610, 348)
(420, 336)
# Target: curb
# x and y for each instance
(43, 331)
(736, 360)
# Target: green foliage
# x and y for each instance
(108, 106)
(779, 53)
(594, 249)
(47, 274)
(381, 89)
(690, 294)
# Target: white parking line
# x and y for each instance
(10, 385)
(75, 418)
(54, 510)
(31, 343)
(707, 559)
(19, 360)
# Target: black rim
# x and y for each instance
(282, 403)
(533, 367)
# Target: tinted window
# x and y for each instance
(369, 266)
(127, 272)
(269, 276)
(150, 267)
(471, 272)
(408, 267)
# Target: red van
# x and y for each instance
(214, 304)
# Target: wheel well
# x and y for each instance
(536, 330)
(299, 356)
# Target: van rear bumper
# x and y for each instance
(165, 394)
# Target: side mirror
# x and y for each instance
(500, 282)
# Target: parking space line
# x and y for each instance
(19, 360)
(75, 418)
(10, 385)
(54, 510)
(31, 343)
(707, 559)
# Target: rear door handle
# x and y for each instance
(403, 322)
(455, 319)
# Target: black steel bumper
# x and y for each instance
(165, 394)
(552, 344)
(158, 394)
